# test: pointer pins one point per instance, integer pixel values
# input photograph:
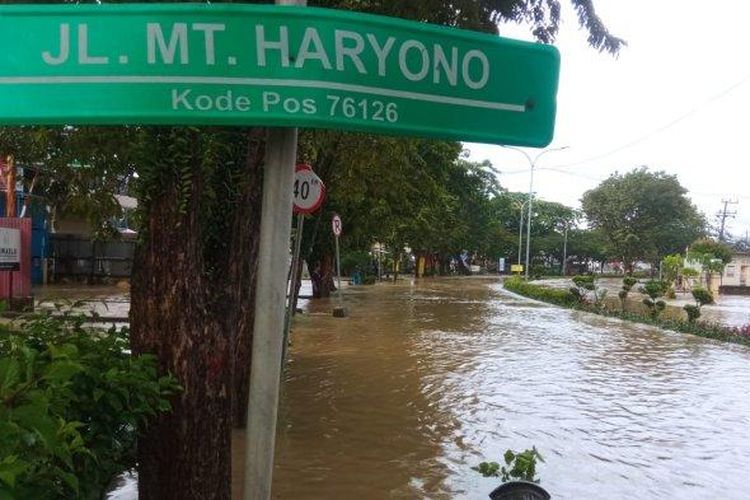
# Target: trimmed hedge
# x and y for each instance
(566, 299)
(552, 295)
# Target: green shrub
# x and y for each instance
(654, 289)
(689, 272)
(71, 400)
(566, 299)
(703, 296)
(358, 260)
(693, 312)
(583, 285)
(627, 284)
(545, 294)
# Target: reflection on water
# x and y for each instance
(421, 382)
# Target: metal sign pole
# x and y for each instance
(273, 259)
(293, 283)
(338, 271)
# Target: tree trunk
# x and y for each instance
(321, 275)
(172, 317)
(192, 301)
(243, 270)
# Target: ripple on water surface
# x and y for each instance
(423, 381)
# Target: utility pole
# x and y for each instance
(724, 214)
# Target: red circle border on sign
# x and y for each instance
(314, 208)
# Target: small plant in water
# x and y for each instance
(518, 466)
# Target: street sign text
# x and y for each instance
(271, 65)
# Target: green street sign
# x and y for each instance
(228, 64)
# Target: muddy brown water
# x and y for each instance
(423, 381)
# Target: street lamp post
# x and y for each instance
(532, 165)
(520, 228)
(565, 249)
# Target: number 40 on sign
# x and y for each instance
(309, 190)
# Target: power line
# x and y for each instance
(724, 214)
(668, 125)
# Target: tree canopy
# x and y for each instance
(644, 215)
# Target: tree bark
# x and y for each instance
(242, 272)
(172, 317)
(192, 301)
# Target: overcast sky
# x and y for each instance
(677, 99)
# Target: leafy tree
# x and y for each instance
(671, 266)
(587, 283)
(644, 215)
(588, 245)
(712, 255)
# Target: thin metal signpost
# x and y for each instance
(268, 329)
(336, 226)
(309, 192)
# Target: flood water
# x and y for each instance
(422, 382)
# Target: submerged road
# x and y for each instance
(423, 381)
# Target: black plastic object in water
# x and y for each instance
(519, 490)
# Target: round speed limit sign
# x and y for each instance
(309, 190)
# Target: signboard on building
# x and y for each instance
(230, 64)
(10, 249)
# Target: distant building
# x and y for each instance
(736, 277)
(75, 255)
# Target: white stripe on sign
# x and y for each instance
(262, 82)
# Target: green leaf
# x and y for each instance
(97, 394)
(61, 371)
(71, 480)
(10, 469)
(10, 374)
